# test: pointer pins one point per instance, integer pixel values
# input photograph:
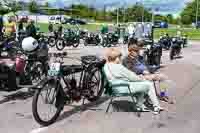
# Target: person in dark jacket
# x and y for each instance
(31, 30)
(50, 28)
(20, 26)
(60, 30)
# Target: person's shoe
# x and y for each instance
(144, 108)
(157, 110)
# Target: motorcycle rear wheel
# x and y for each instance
(60, 45)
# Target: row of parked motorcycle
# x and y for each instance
(72, 37)
(174, 44)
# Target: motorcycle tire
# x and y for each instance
(86, 42)
(35, 112)
(75, 45)
(60, 45)
(52, 41)
(104, 44)
(171, 54)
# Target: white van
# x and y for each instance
(55, 19)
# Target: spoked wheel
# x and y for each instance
(60, 45)
(46, 105)
(52, 41)
(95, 84)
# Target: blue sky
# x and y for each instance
(164, 6)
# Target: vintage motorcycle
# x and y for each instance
(93, 39)
(153, 54)
(110, 39)
(24, 70)
(176, 47)
(165, 41)
(70, 38)
(63, 87)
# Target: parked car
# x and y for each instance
(160, 24)
(74, 21)
(55, 19)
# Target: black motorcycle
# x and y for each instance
(62, 86)
(24, 70)
(153, 54)
(93, 39)
(176, 47)
(70, 38)
(110, 39)
(165, 42)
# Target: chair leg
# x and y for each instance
(137, 113)
(154, 83)
(111, 100)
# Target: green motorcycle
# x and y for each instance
(69, 38)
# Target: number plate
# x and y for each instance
(54, 69)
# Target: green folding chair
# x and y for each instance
(111, 90)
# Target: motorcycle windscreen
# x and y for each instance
(139, 30)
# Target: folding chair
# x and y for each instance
(111, 90)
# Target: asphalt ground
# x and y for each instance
(183, 116)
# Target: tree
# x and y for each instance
(186, 19)
(189, 12)
(33, 7)
(170, 18)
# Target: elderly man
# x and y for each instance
(133, 63)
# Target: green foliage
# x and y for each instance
(188, 15)
(33, 7)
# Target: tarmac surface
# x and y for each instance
(183, 116)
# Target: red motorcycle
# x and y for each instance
(22, 71)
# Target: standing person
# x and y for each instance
(60, 30)
(104, 29)
(50, 28)
(31, 29)
(10, 27)
(20, 26)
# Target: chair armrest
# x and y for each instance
(120, 85)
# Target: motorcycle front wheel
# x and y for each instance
(76, 44)
(60, 45)
(48, 105)
(52, 41)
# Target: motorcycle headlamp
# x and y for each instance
(148, 46)
(173, 39)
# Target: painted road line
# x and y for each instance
(39, 130)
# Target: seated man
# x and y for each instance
(116, 72)
(132, 63)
